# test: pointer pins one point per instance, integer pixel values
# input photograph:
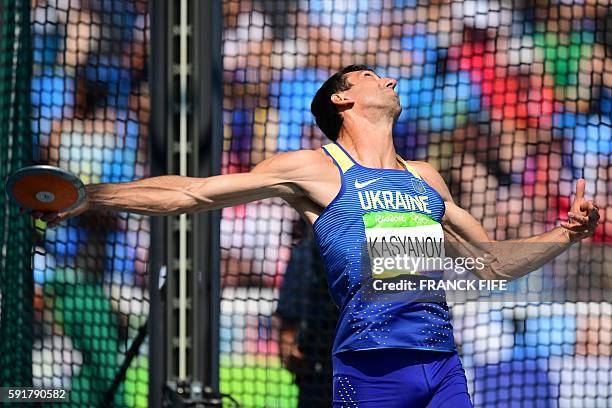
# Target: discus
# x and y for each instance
(45, 188)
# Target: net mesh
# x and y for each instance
(510, 100)
(87, 109)
(15, 152)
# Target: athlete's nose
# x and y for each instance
(390, 83)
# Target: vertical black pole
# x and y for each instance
(159, 87)
(204, 157)
(208, 138)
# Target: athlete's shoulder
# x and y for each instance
(431, 175)
(294, 161)
(423, 167)
(302, 158)
(313, 154)
(309, 157)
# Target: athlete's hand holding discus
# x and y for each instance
(583, 217)
(54, 218)
(47, 192)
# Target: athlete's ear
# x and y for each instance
(342, 101)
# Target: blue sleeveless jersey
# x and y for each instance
(369, 201)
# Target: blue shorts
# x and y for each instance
(394, 378)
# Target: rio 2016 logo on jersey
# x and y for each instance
(392, 200)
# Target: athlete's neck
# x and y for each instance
(370, 143)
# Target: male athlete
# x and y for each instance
(385, 354)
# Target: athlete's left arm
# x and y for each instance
(510, 259)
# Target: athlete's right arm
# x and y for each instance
(281, 175)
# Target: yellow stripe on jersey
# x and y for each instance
(408, 167)
(341, 158)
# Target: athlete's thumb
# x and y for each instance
(580, 185)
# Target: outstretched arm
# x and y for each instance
(511, 259)
(278, 176)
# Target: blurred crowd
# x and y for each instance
(90, 109)
(90, 115)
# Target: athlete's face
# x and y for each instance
(368, 90)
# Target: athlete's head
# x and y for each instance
(354, 86)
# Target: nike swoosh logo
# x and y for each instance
(365, 183)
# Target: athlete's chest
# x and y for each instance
(384, 214)
(383, 190)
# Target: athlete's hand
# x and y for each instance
(54, 218)
(583, 216)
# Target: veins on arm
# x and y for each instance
(508, 259)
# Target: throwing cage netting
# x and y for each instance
(16, 286)
(510, 100)
(74, 95)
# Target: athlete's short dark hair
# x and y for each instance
(325, 112)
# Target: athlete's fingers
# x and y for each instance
(580, 184)
(593, 220)
(576, 226)
(582, 229)
(594, 213)
(55, 221)
(571, 218)
(572, 227)
(49, 217)
(584, 206)
(579, 218)
(569, 222)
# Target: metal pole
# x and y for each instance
(208, 139)
(158, 130)
(183, 68)
(170, 249)
(186, 134)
